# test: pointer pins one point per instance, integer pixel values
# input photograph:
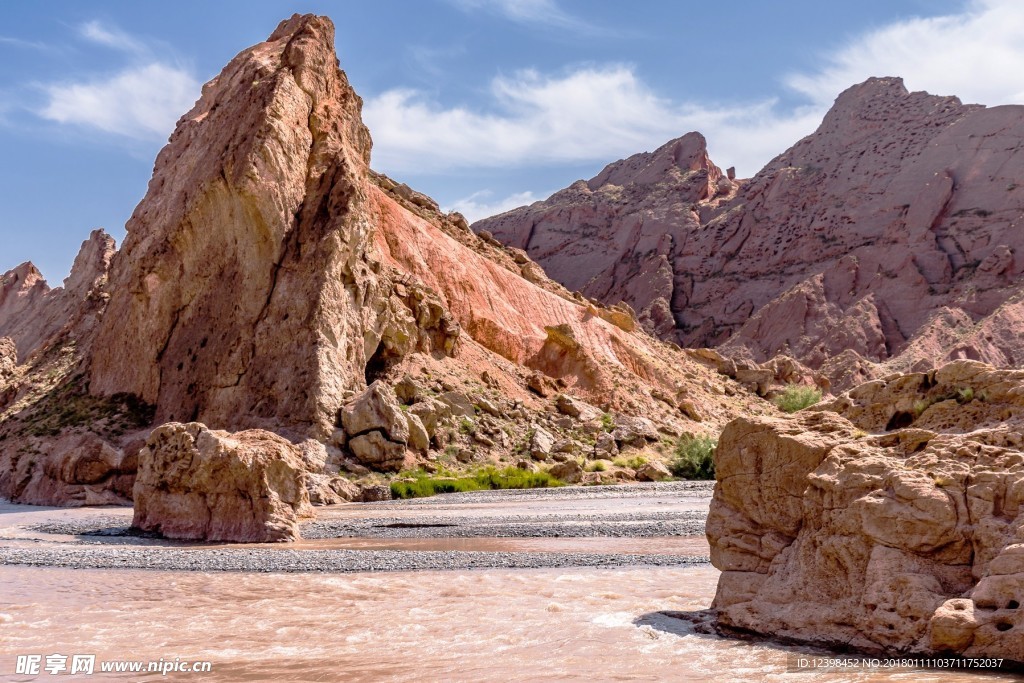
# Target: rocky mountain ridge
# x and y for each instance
(884, 241)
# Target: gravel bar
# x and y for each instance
(344, 561)
(105, 542)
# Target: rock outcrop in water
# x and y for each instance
(888, 520)
(269, 277)
(194, 483)
(889, 236)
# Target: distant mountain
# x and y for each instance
(888, 239)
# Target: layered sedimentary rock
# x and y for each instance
(269, 277)
(888, 520)
(890, 234)
(194, 483)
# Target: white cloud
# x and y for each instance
(480, 205)
(111, 37)
(141, 102)
(544, 13)
(601, 113)
(592, 114)
(977, 55)
(18, 42)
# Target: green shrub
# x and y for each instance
(634, 463)
(965, 395)
(607, 422)
(795, 398)
(598, 466)
(489, 478)
(694, 457)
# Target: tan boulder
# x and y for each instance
(652, 471)
(376, 451)
(376, 408)
(199, 484)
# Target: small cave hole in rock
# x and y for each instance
(900, 420)
(378, 365)
(1013, 604)
(959, 607)
(1004, 626)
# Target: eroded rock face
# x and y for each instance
(901, 541)
(616, 236)
(32, 314)
(888, 234)
(196, 483)
(8, 358)
(274, 155)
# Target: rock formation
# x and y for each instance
(31, 313)
(888, 235)
(888, 520)
(617, 236)
(270, 280)
(194, 483)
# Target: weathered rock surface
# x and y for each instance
(32, 314)
(616, 236)
(274, 155)
(889, 234)
(269, 277)
(8, 358)
(907, 540)
(196, 483)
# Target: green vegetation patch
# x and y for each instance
(425, 484)
(695, 457)
(795, 398)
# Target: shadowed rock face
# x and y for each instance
(890, 233)
(907, 540)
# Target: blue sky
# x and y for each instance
(483, 104)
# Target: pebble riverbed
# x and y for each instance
(103, 539)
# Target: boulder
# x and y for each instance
(375, 493)
(408, 390)
(419, 439)
(541, 443)
(430, 412)
(458, 403)
(325, 489)
(377, 452)
(633, 431)
(569, 471)
(605, 447)
(903, 541)
(652, 471)
(198, 484)
(376, 408)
